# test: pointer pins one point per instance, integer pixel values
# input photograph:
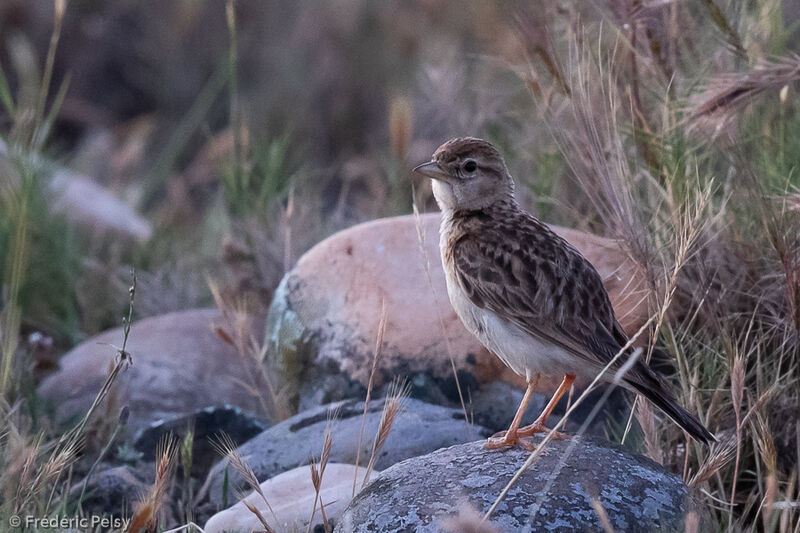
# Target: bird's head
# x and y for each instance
(468, 174)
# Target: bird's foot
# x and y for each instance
(539, 427)
(501, 440)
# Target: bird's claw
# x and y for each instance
(539, 427)
(527, 431)
(501, 440)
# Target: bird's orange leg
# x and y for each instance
(539, 425)
(510, 437)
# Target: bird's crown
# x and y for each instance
(462, 148)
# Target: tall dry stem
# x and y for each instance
(148, 509)
(227, 448)
(375, 358)
(393, 405)
(737, 393)
(316, 480)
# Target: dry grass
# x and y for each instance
(235, 327)
(317, 471)
(393, 405)
(32, 467)
(227, 448)
(375, 358)
(691, 213)
(148, 509)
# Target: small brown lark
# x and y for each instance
(528, 295)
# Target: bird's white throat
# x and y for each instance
(443, 193)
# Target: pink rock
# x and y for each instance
(325, 314)
(291, 498)
(84, 202)
(180, 365)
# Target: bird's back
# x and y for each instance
(510, 263)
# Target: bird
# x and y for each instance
(527, 294)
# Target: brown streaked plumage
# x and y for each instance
(529, 296)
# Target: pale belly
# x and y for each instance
(523, 353)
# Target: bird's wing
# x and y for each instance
(541, 283)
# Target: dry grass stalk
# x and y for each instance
(689, 222)
(227, 448)
(375, 358)
(253, 509)
(737, 393)
(234, 327)
(766, 445)
(720, 456)
(785, 506)
(55, 465)
(392, 406)
(468, 520)
(647, 421)
(768, 503)
(692, 522)
(316, 480)
(34, 478)
(401, 121)
(147, 510)
(597, 505)
(725, 97)
(769, 456)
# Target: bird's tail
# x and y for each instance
(663, 401)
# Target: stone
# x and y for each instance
(113, 491)
(323, 321)
(86, 203)
(420, 494)
(208, 425)
(419, 429)
(291, 496)
(90, 205)
(180, 365)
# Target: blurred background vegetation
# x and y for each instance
(241, 133)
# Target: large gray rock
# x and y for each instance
(417, 495)
(323, 320)
(180, 365)
(419, 429)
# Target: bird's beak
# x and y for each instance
(432, 170)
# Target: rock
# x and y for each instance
(291, 496)
(84, 202)
(179, 366)
(208, 425)
(636, 494)
(419, 429)
(323, 320)
(113, 491)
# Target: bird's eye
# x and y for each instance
(470, 165)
